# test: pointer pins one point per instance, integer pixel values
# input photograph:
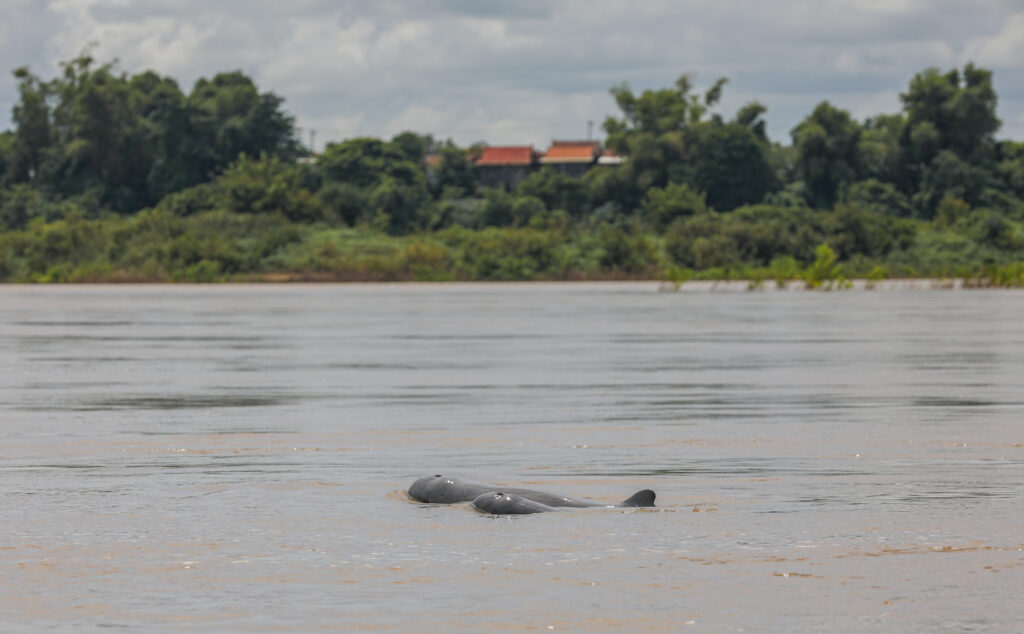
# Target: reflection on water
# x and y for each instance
(162, 402)
(217, 456)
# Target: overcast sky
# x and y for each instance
(527, 71)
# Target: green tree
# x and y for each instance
(414, 146)
(658, 132)
(880, 147)
(958, 110)
(950, 126)
(1010, 167)
(176, 133)
(20, 204)
(558, 191)
(363, 162)
(828, 153)
(670, 136)
(662, 206)
(499, 210)
(348, 201)
(7, 143)
(764, 232)
(624, 251)
(393, 186)
(948, 175)
(854, 230)
(34, 134)
(98, 144)
(878, 196)
(268, 185)
(752, 116)
(452, 174)
(731, 165)
(120, 142)
(236, 118)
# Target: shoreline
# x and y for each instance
(707, 286)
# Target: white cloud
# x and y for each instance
(319, 51)
(418, 117)
(530, 70)
(332, 128)
(1003, 50)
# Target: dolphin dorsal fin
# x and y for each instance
(640, 498)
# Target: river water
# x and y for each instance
(235, 458)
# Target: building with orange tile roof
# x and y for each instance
(573, 158)
(506, 165)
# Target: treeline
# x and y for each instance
(111, 176)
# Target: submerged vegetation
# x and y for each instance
(108, 176)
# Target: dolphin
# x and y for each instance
(439, 489)
(502, 503)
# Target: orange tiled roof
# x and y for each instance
(507, 155)
(571, 152)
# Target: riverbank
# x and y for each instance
(158, 247)
(901, 284)
(661, 286)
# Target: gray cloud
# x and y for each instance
(528, 71)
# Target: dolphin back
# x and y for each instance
(440, 489)
(549, 499)
(501, 503)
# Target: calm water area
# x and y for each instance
(235, 458)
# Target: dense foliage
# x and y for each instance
(110, 176)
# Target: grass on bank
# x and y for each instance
(217, 246)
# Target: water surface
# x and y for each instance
(234, 458)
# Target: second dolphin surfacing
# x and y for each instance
(439, 489)
(501, 503)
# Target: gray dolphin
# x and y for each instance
(502, 503)
(439, 489)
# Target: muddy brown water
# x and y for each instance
(234, 458)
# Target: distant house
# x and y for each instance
(572, 158)
(609, 157)
(506, 165)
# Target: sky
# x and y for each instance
(528, 71)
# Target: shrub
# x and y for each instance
(824, 272)
(661, 206)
